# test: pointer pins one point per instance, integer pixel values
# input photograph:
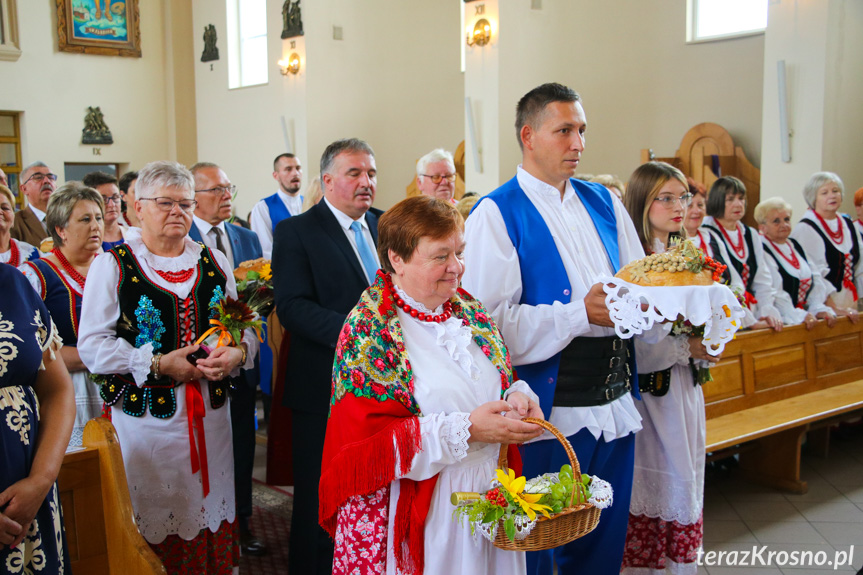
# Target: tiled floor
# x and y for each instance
(740, 516)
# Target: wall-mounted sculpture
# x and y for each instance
(292, 20)
(211, 52)
(95, 130)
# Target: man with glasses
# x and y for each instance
(214, 193)
(37, 185)
(286, 202)
(106, 185)
(436, 175)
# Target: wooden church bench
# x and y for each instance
(770, 389)
(100, 524)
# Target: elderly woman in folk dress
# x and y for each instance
(74, 220)
(12, 251)
(726, 206)
(423, 396)
(830, 242)
(36, 414)
(800, 293)
(146, 303)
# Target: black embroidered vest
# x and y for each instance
(751, 261)
(151, 314)
(836, 258)
(790, 284)
(61, 299)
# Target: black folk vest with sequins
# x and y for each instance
(751, 260)
(790, 283)
(149, 313)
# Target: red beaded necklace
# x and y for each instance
(15, 254)
(740, 251)
(793, 261)
(176, 277)
(67, 267)
(413, 312)
(703, 243)
(839, 235)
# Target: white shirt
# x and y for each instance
(535, 333)
(784, 303)
(41, 215)
(345, 222)
(762, 283)
(815, 250)
(204, 227)
(262, 224)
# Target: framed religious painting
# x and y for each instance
(104, 27)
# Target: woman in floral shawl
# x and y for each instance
(423, 396)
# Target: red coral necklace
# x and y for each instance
(413, 312)
(15, 254)
(176, 277)
(839, 235)
(793, 261)
(67, 267)
(740, 251)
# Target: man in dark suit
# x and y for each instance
(323, 259)
(37, 185)
(214, 193)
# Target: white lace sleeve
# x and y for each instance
(444, 441)
(523, 387)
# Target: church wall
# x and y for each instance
(53, 89)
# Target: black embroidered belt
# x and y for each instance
(593, 371)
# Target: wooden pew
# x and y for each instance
(771, 389)
(100, 524)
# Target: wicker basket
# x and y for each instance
(573, 522)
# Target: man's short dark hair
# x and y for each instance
(348, 145)
(530, 108)
(126, 181)
(96, 179)
(279, 157)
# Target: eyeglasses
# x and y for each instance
(167, 204)
(220, 191)
(111, 199)
(436, 179)
(669, 201)
(39, 176)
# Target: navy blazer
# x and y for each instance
(244, 243)
(317, 280)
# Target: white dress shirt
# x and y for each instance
(262, 224)
(535, 333)
(39, 214)
(205, 227)
(345, 222)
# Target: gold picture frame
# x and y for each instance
(103, 27)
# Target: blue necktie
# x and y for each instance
(366, 255)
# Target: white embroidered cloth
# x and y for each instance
(715, 307)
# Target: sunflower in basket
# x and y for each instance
(515, 501)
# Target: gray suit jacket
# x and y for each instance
(27, 228)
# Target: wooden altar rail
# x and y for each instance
(770, 389)
(100, 525)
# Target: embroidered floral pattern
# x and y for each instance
(370, 355)
(150, 325)
(652, 542)
(218, 295)
(362, 548)
(8, 350)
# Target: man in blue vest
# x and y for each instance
(286, 202)
(535, 248)
(214, 193)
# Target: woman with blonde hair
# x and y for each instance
(12, 251)
(800, 293)
(313, 194)
(665, 513)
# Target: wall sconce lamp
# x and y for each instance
(291, 65)
(481, 33)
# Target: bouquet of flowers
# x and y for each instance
(255, 285)
(514, 502)
(232, 316)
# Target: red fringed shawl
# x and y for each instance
(374, 418)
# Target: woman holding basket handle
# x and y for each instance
(423, 396)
